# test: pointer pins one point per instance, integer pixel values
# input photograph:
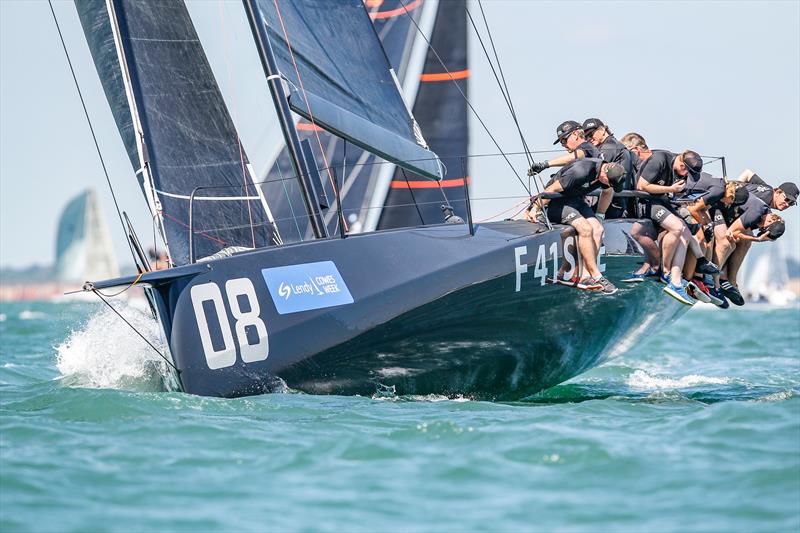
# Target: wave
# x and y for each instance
(106, 353)
(640, 379)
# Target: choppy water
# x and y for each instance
(697, 430)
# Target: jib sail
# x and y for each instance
(176, 127)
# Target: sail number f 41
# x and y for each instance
(570, 256)
(247, 325)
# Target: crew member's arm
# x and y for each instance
(562, 160)
(652, 188)
(745, 175)
(538, 203)
(737, 231)
(606, 195)
(699, 211)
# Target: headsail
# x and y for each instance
(341, 79)
(196, 171)
(442, 113)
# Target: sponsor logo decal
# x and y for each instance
(307, 286)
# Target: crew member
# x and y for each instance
(657, 177)
(780, 198)
(574, 181)
(640, 152)
(715, 193)
(600, 135)
(733, 235)
(643, 230)
(572, 137)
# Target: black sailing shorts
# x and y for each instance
(564, 211)
(657, 210)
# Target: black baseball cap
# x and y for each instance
(775, 229)
(616, 176)
(591, 124)
(693, 162)
(790, 190)
(741, 196)
(565, 128)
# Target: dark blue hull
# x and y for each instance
(424, 310)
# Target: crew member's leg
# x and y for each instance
(674, 247)
(736, 259)
(586, 245)
(645, 234)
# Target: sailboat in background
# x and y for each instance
(421, 306)
(767, 280)
(83, 244)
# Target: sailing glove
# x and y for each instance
(708, 232)
(537, 167)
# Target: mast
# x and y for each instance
(280, 100)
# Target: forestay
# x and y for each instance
(188, 143)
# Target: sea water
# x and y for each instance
(697, 429)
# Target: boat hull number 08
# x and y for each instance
(250, 331)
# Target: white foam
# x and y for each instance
(642, 380)
(777, 396)
(31, 315)
(107, 353)
(2, 317)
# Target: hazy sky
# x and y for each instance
(722, 78)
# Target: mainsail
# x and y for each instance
(404, 29)
(170, 112)
(83, 243)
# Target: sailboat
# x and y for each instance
(83, 242)
(768, 279)
(342, 305)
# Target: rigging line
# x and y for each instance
(474, 112)
(125, 289)
(422, 220)
(162, 356)
(302, 88)
(238, 139)
(91, 129)
(503, 77)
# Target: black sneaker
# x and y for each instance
(704, 266)
(608, 287)
(718, 297)
(731, 292)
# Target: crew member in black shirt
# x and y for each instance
(572, 137)
(600, 135)
(715, 193)
(780, 198)
(753, 214)
(643, 230)
(657, 177)
(574, 181)
(640, 152)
